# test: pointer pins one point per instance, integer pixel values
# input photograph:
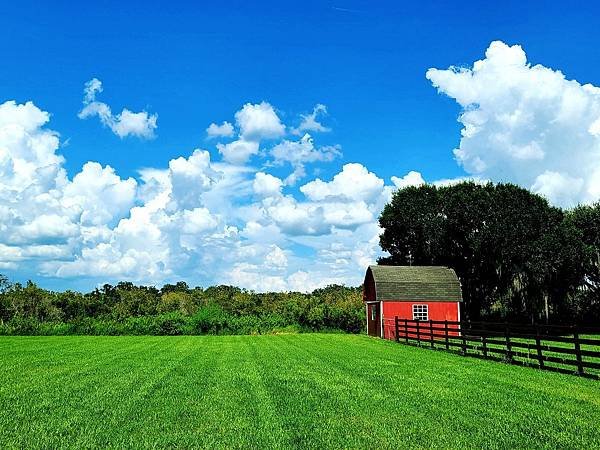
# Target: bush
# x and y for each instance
(172, 324)
(209, 320)
(126, 309)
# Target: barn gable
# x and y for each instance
(421, 283)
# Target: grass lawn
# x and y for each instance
(307, 390)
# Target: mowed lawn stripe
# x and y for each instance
(282, 391)
(466, 395)
(320, 405)
(61, 400)
(134, 385)
(362, 386)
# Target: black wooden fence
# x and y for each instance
(559, 348)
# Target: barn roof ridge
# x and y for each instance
(426, 283)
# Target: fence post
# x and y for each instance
(406, 330)
(464, 339)
(446, 334)
(418, 334)
(484, 339)
(431, 334)
(538, 346)
(578, 351)
(396, 329)
(509, 356)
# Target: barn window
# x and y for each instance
(373, 312)
(420, 312)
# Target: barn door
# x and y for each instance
(373, 319)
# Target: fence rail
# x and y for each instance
(559, 348)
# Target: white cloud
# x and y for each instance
(276, 258)
(107, 261)
(197, 220)
(194, 219)
(27, 116)
(562, 188)
(526, 124)
(412, 178)
(352, 199)
(44, 217)
(263, 234)
(253, 277)
(91, 88)
(46, 227)
(259, 121)
(126, 123)
(301, 152)
(31, 178)
(190, 178)
(310, 122)
(297, 219)
(303, 281)
(239, 151)
(266, 185)
(99, 194)
(139, 124)
(255, 123)
(223, 130)
(354, 182)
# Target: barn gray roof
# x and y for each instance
(431, 283)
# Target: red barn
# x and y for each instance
(409, 292)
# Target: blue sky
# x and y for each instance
(198, 64)
(193, 65)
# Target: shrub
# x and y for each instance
(209, 319)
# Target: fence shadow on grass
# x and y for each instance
(559, 348)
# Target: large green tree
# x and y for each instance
(585, 220)
(501, 240)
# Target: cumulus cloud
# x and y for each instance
(310, 121)
(196, 219)
(193, 218)
(189, 178)
(259, 121)
(44, 215)
(412, 178)
(301, 152)
(527, 124)
(354, 182)
(99, 195)
(266, 185)
(557, 186)
(223, 130)
(276, 258)
(255, 122)
(238, 151)
(126, 123)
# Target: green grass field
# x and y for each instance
(280, 391)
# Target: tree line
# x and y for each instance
(517, 257)
(175, 309)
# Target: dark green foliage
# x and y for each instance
(516, 256)
(586, 221)
(127, 309)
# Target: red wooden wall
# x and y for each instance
(437, 311)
